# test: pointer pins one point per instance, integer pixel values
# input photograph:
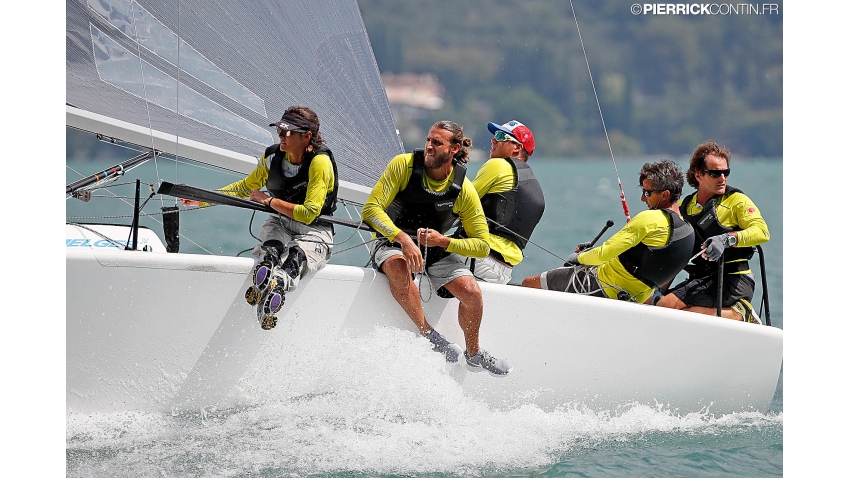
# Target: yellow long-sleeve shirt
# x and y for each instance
(467, 206)
(649, 227)
(319, 183)
(497, 176)
(736, 210)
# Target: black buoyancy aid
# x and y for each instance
(706, 225)
(515, 213)
(294, 189)
(416, 206)
(656, 266)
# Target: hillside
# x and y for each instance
(665, 82)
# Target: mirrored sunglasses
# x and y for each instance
(288, 133)
(502, 136)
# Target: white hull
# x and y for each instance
(156, 331)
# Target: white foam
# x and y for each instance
(383, 404)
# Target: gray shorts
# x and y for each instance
(440, 273)
(575, 279)
(489, 269)
(315, 239)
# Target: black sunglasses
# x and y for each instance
(648, 192)
(715, 173)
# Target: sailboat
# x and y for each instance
(149, 328)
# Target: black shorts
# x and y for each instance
(703, 292)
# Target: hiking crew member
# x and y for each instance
(300, 175)
(416, 200)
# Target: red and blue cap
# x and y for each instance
(518, 130)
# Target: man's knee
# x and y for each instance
(466, 290)
(533, 282)
(670, 301)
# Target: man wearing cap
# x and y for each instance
(512, 200)
(300, 175)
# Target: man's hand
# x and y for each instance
(190, 202)
(583, 246)
(411, 252)
(259, 197)
(572, 260)
(715, 245)
(432, 238)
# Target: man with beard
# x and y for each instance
(420, 195)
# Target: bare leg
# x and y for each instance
(533, 282)
(672, 302)
(470, 310)
(404, 291)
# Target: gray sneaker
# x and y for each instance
(482, 360)
(441, 344)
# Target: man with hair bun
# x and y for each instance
(414, 203)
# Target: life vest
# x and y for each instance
(656, 266)
(515, 213)
(706, 225)
(294, 189)
(417, 207)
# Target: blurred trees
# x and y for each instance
(665, 82)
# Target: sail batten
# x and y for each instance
(239, 66)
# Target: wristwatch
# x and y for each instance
(732, 240)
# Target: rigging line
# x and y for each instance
(599, 106)
(144, 86)
(526, 239)
(177, 123)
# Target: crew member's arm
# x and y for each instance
(242, 188)
(392, 180)
(495, 176)
(629, 236)
(256, 180)
(468, 207)
(753, 227)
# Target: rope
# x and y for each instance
(424, 273)
(599, 106)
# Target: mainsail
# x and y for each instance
(217, 72)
